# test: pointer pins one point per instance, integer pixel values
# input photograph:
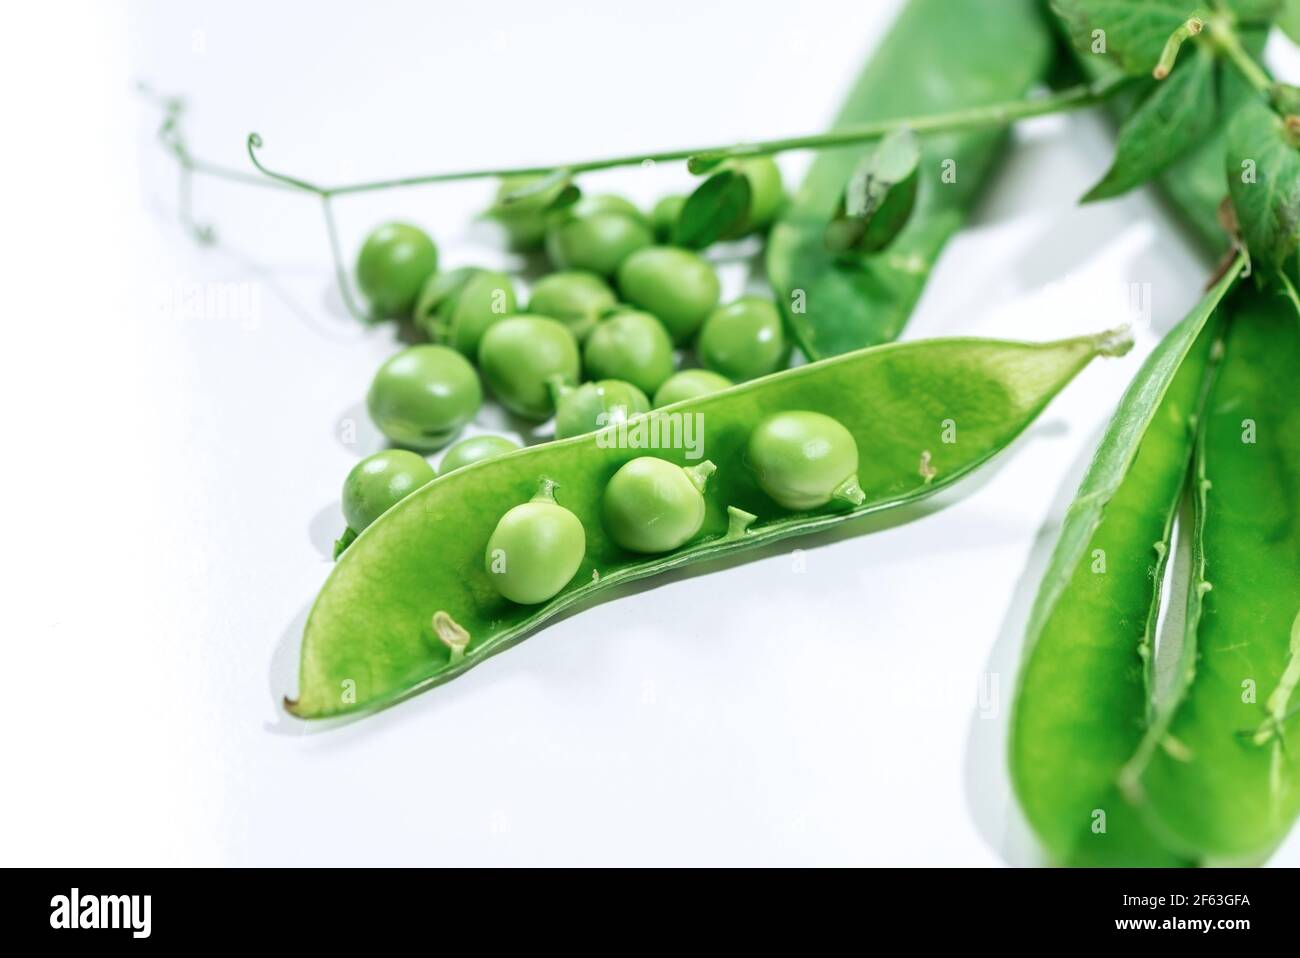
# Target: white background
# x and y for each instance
(171, 481)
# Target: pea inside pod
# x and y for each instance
(653, 506)
(475, 449)
(595, 405)
(805, 459)
(535, 548)
(380, 618)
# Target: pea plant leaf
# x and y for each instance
(1179, 112)
(879, 197)
(717, 207)
(1255, 11)
(1264, 183)
(1132, 32)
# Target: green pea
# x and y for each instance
(596, 405)
(475, 449)
(421, 397)
(688, 384)
(597, 234)
(805, 459)
(766, 193)
(483, 300)
(744, 339)
(676, 285)
(631, 346)
(576, 298)
(524, 219)
(519, 357)
(664, 216)
(392, 266)
(652, 505)
(438, 297)
(379, 482)
(535, 549)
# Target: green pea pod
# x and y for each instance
(940, 55)
(1084, 693)
(1220, 780)
(412, 588)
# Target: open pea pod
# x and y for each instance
(414, 583)
(1084, 699)
(1220, 778)
(939, 56)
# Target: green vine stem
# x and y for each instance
(1224, 38)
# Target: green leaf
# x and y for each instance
(1264, 183)
(716, 207)
(879, 197)
(555, 180)
(1288, 19)
(1254, 11)
(1085, 693)
(1173, 119)
(940, 55)
(1132, 32)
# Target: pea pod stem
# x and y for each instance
(699, 474)
(990, 115)
(1225, 40)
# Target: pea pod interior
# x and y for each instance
(923, 414)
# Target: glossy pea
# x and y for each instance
(438, 297)
(575, 297)
(393, 264)
(688, 384)
(521, 355)
(423, 396)
(595, 405)
(632, 346)
(744, 339)
(805, 459)
(653, 506)
(485, 299)
(379, 482)
(596, 234)
(676, 285)
(475, 449)
(535, 549)
(665, 214)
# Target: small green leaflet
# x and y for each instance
(716, 209)
(1264, 183)
(343, 541)
(1179, 112)
(1132, 32)
(879, 196)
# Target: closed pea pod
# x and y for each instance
(535, 548)
(521, 355)
(679, 287)
(392, 267)
(744, 339)
(688, 384)
(1092, 630)
(632, 346)
(475, 449)
(423, 396)
(652, 505)
(381, 617)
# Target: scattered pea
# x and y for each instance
(805, 459)
(766, 193)
(653, 506)
(632, 346)
(438, 297)
(475, 449)
(379, 482)
(744, 339)
(392, 266)
(520, 355)
(524, 219)
(664, 216)
(421, 397)
(574, 297)
(688, 384)
(597, 234)
(676, 285)
(595, 405)
(485, 299)
(535, 549)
